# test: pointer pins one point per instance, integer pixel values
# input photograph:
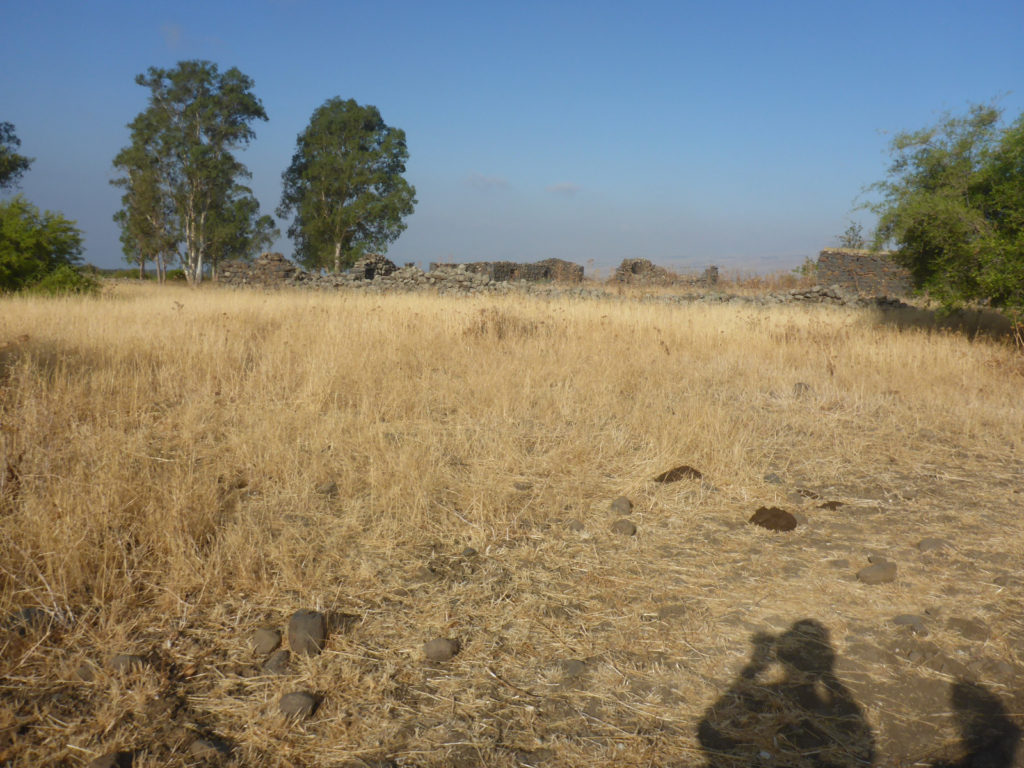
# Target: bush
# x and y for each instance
(63, 281)
(176, 276)
(34, 244)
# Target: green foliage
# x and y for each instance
(345, 186)
(34, 244)
(953, 207)
(63, 281)
(808, 269)
(180, 176)
(853, 237)
(12, 165)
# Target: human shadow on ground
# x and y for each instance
(989, 738)
(787, 708)
(973, 323)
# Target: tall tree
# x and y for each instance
(953, 210)
(12, 165)
(345, 186)
(148, 222)
(237, 230)
(197, 117)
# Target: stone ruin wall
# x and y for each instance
(645, 272)
(872, 273)
(557, 270)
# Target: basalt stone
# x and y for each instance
(682, 472)
(575, 526)
(209, 748)
(932, 544)
(329, 489)
(773, 478)
(573, 668)
(299, 704)
(441, 648)
(878, 573)
(469, 552)
(277, 664)
(916, 623)
(112, 760)
(774, 519)
(624, 527)
(126, 662)
(522, 485)
(265, 640)
(802, 389)
(969, 629)
(307, 631)
(621, 506)
(831, 506)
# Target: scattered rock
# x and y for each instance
(26, 619)
(441, 648)
(773, 478)
(932, 544)
(624, 527)
(521, 485)
(841, 562)
(801, 389)
(307, 631)
(674, 611)
(329, 489)
(795, 498)
(875, 557)
(916, 623)
(682, 472)
(621, 506)
(774, 519)
(299, 704)
(469, 552)
(207, 748)
(277, 664)
(969, 629)
(878, 573)
(573, 668)
(126, 662)
(265, 640)
(85, 672)
(831, 506)
(575, 525)
(112, 760)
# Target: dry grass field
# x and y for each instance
(179, 469)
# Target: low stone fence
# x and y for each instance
(868, 272)
(557, 270)
(645, 272)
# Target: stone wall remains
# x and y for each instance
(868, 272)
(269, 270)
(557, 270)
(645, 272)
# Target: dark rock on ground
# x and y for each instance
(682, 472)
(773, 478)
(878, 573)
(575, 525)
(126, 662)
(676, 610)
(916, 623)
(624, 527)
(441, 648)
(277, 664)
(969, 629)
(840, 562)
(299, 704)
(830, 505)
(207, 748)
(801, 389)
(307, 632)
(932, 544)
(469, 552)
(521, 485)
(112, 760)
(621, 506)
(573, 668)
(265, 640)
(774, 519)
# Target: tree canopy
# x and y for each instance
(952, 207)
(180, 174)
(345, 186)
(12, 165)
(34, 245)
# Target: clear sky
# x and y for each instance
(690, 133)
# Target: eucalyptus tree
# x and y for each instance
(196, 119)
(12, 164)
(345, 186)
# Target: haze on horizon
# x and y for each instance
(735, 133)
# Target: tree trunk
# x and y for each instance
(337, 257)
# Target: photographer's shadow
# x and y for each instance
(787, 708)
(988, 736)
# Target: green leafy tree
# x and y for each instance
(196, 119)
(12, 165)
(237, 230)
(953, 208)
(33, 245)
(147, 218)
(345, 186)
(853, 237)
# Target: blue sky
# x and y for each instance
(733, 133)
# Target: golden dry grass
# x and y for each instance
(165, 453)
